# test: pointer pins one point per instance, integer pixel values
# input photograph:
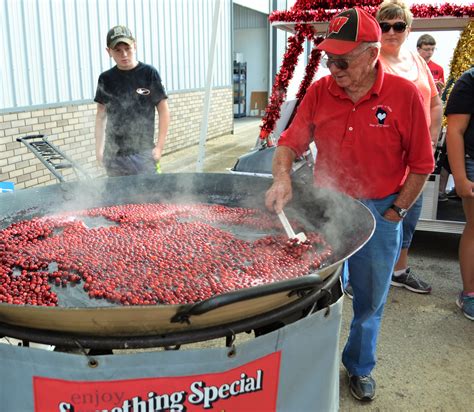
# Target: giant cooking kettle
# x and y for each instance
(345, 223)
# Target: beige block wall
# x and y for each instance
(71, 129)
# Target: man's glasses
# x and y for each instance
(340, 63)
(428, 49)
(398, 27)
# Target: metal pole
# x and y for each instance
(207, 96)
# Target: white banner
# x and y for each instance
(295, 368)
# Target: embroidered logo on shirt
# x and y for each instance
(381, 113)
(143, 91)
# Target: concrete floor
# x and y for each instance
(220, 153)
(426, 346)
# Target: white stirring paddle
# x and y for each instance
(289, 230)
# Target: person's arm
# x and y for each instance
(436, 115)
(100, 122)
(163, 125)
(280, 193)
(419, 158)
(457, 125)
(440, 86)
(291, 144)
(409, 192)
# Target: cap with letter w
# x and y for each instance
(349, 29)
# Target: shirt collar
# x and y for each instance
(337, 91)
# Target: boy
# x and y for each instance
(426, 45)
(127, 96)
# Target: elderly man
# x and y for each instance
(370, 129)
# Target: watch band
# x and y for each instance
(400, 211)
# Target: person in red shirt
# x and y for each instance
(366, 127)
(426, 46)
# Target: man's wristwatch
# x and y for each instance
(400, 211)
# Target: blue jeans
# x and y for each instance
(370, 271)
(469, 162)
(410, 221)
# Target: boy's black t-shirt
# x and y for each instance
(461, 101)
(130, 98)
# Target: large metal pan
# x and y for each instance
(346, 224)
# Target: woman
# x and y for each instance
(460, 142)
(395, 20)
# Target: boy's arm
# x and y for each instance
(163, 125)
(100, 122)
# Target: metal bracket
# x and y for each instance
(230, 343)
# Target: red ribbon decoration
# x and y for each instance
(311, 68)
(280, 85)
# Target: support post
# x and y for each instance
(207, 96)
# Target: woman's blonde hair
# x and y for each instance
(394, 9)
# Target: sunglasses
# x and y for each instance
(398, 27)
(341, 64)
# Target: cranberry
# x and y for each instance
(150, 254)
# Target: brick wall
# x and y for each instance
(71, 129)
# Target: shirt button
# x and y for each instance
(353, 109)
(350, 128)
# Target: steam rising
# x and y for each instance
(345, 223)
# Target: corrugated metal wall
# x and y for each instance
(54, 50)
(245, 18)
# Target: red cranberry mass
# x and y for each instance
(150, 254)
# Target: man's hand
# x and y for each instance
(279, 194)
(465, 189)
(391, 215)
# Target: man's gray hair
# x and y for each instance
(375, 44)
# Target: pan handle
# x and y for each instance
(309, 281)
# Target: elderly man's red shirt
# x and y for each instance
(364, 148)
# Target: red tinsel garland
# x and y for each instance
(319, 11)
(418, 10)
(324, 4)
(311, 69)
(282, 79)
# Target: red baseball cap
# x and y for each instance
(349, 29)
